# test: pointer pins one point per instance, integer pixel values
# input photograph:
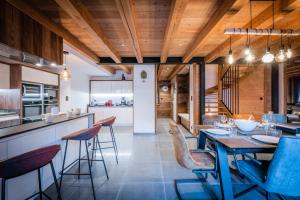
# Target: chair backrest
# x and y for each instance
(279, 118)
(182, 153)
(210, 119)
(284, 171)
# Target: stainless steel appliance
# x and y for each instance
(38, 99)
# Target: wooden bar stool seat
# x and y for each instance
(107, 122)
(28, 162)
(84, 135)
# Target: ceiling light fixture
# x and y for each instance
(268, 57)
(66, 74)
(289, 52)
(230, 56)
(281, 56)
(53, 64)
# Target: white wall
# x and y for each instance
(4, 76)
(144, 99)
(77, 89)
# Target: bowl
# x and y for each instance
(246, 125)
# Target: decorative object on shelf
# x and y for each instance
(66, 74)
(123, 77)
(282, 55)
(144, 75)
(165, 88)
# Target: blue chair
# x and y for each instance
(281, 176)
(279, 118)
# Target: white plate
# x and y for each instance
(266, 139)
(223, 125)
(218, 131)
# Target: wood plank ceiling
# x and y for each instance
(159, 28)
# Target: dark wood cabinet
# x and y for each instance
(23, 33)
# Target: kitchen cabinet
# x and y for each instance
(117, 87)
(124, 115)
(101, 87)
(4, 76)
(127, 87)
(39, 76)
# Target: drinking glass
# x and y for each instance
(266, 123)
(223, 119)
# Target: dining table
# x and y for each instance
(240, 143)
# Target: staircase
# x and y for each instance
(223, 98)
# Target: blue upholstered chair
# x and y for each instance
(279, 118)
(281, 176)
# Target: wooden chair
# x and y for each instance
(201, 162)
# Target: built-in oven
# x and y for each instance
(32, 92)
(32, 109)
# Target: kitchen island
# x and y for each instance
(123, 114)
(26, 137)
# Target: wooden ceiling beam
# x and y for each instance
(126, 10)
(175, 71)
(59, 30)
(125, 68)
(175, 16)
(159, 72)
(261, 19)
(82, 17)
(217, 17)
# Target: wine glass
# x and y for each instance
(266, 123)
(223, 119)
(231, 123)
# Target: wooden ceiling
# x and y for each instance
(159, 28)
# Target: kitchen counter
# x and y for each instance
(19, 129)
(123, 114)
(27, 137)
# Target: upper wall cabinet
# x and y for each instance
(38, 76)
(23, 33)
(108, 87)
(100, 87)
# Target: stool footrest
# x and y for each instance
(106, 142)
(75, 162)
(76, 174)
(38, 194)
(104, 148)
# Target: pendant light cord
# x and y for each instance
(251, 23)
(273, 14)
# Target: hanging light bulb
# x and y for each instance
(250, 57)
(230, 56)
(66, 74)
(247, 50)
(281, 56)
(289, 53)
(268, 57)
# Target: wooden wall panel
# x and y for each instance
(23, 33)
(254, 92)
(183, 94)
(164, 108)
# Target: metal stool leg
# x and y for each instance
(97, 139)
(40, 184)
(79, 157)
(93, 151)
(3, 190)
(63, 165)
(55, 180)
(90, 170)
(114, 142)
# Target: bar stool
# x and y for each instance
(83, 135)
(107, 122)
(28, 162)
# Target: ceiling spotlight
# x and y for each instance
(268, 57)
(38, 64)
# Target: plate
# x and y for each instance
(266, 139)
(218, 131)
(223, 125)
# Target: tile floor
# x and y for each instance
(146, 170)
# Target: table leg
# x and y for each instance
(201, 140)
(224, 172)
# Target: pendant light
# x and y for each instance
(248, 52)
(268, 57)
(66, 74)
(281, 56)
(289, 52)
(230, 56)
